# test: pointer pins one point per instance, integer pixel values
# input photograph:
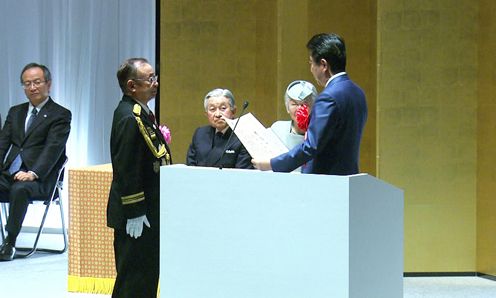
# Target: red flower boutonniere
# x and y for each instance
(166, 133)
(302, 117)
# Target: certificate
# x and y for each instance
(260, 142)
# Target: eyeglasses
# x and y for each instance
(151, 80)
(37, 83)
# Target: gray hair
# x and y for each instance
(46, 72)
(300, 91)
(128, 70)
(220, 92)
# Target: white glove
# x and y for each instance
(134, 226)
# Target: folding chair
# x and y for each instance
(55, 197)
(2, 228)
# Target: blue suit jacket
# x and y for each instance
(333, 138)
(203, 153)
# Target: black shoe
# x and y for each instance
(7, 252)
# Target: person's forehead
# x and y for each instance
(218, 100)
(145, 68)
(34, 72)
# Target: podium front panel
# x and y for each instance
(246, 233)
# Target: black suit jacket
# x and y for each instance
(135, 183)
(202, 151)
(42, 146)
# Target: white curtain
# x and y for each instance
(82, 42)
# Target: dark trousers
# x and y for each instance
(18, 193)
(137, 264)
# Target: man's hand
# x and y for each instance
(262, 165)
(134, 226)
(24, 176)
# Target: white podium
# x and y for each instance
(245, 233)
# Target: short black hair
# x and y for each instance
(330, 47)
(46, 72)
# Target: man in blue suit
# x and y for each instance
(332, 142)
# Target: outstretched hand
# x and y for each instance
(262, 165)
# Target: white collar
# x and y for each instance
(144, 106)
(38, 107)
(222, 131)
(335, 76)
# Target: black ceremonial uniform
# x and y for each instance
(137, 150)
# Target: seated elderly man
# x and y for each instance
(209, 146)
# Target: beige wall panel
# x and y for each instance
(263, 103)
(210, 44)
(292, 34)
(486, 141)
(427, 104)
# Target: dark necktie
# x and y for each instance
(31, 119)
(217, 139)
(152, 117)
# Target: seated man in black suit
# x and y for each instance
(208, 147)
(32, 148)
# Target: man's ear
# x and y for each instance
(234, 110)
(326, 66)
(130, 85)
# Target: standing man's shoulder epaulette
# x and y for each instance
(137, 109)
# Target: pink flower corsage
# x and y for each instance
(302, 117)
(166, 133)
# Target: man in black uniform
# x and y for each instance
(137, 149)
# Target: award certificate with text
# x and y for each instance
(260, 142)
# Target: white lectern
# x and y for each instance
(245, 233)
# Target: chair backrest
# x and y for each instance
(54, 189)
(60, 179)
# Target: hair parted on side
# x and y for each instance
(330, 47)
(46, 72)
